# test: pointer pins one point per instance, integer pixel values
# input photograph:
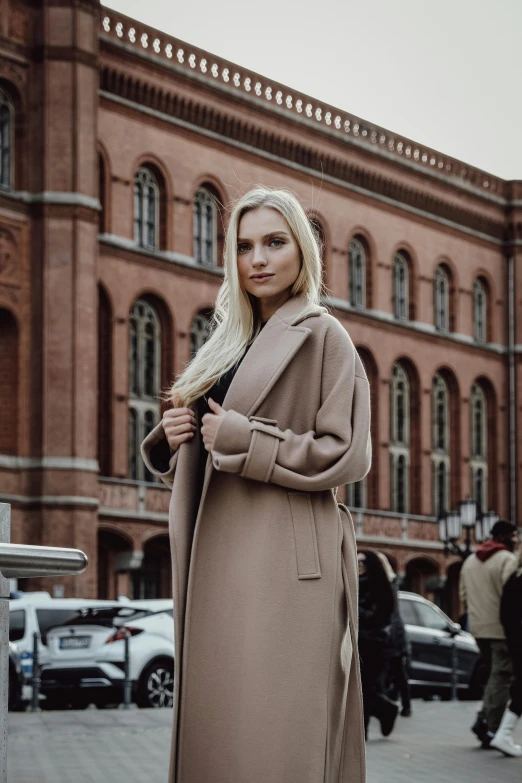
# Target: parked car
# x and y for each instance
(16, 678)
(86, 662)
(432, 635)
(39, 612)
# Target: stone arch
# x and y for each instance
(104, 189)
(115, 548)
(19, 178)
(364, 237)
(154, 578)
(491, 394)
(105, 366)
(412, 373)
(422, 576)
(9, 382)
(455, 429)
(407, 251)
(216, 189)
(372, 372)
(158, 169)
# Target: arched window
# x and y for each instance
(479, 449)
(6, 140)
(144, 382)
(479, 311)
(400, 440)
(199, 332)
(205, 228)
(357, 493)
(9, 383)
(146, 209)
(441, 299)
(400, 287)
(440, 448)
(357, 273)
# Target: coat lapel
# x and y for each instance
(267, 358)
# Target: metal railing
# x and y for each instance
(22, 561)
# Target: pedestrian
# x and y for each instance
(482, 579)
(511, 618)
(376, 606)
(268, 419)
(398, 649)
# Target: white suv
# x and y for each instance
(86, 656)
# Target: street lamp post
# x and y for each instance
(451, 524)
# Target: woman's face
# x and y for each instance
(361, 562)
(268, 258)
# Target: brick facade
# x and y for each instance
(94, 96)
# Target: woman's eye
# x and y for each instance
(279, 242)
(242, 248)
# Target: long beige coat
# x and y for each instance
(264, 566)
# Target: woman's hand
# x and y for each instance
(211, 422)
(179, 425)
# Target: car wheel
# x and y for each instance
(156, 686)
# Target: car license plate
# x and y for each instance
(75, 642)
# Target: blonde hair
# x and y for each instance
(234, 325)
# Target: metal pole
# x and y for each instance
(127, 684)
(454, 670)
(19, 561)
(5, 532)
(35, 679)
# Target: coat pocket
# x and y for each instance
(305, 535)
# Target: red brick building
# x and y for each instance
(119, 146)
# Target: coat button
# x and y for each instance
(216, 463)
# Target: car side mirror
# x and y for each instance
(455, 629)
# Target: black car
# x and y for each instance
(431, 635)
(16, 678)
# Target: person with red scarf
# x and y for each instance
(482, 581)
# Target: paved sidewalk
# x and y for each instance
(100, 746)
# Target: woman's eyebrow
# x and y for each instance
(267, 236)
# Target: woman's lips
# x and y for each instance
(261, 279)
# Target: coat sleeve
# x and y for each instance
(336, 452)
(157, 455)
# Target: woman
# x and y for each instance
(511, 618)
(376, 606)
(263, 560)
(398, 649)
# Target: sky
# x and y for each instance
(445, 73)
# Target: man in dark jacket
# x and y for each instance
(511, 618)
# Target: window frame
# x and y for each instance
(204, 200)
(401, 288)
(145, 180)
(357, 262)
(480, 311)
(7, 152)
(441, 300)
(144, 408)
(400, 449)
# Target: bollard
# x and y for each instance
(36, 680)
(127, 683)
(454, 670)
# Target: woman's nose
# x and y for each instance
(259, 258)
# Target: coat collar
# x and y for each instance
(272, 350)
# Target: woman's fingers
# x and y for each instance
(179, 425)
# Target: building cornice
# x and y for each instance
(162, 258)
(48, 463)
(131, 37)
(417, 326)
(286, 152)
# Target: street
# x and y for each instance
(94, 746)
